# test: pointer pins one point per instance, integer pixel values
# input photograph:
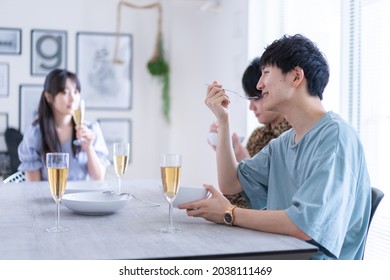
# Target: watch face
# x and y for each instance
(228, 218)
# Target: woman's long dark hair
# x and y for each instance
(54, 84)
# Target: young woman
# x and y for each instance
(55, 130)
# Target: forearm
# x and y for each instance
(274, 221)
(95, 167)
(226, 162)
(32, 176)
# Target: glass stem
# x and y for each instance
(58, 214)
(119, 185)
(170, 216)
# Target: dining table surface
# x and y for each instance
(133, 232)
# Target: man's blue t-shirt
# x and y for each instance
(322, 182)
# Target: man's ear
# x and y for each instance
(48, 97)
(298, 75)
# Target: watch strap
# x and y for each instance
(228, 217)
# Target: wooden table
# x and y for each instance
(27, 209)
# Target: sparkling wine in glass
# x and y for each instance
(57, 169)
(170, 165)
(121, 159)
(78, 117)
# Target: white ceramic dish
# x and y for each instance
(85, 186)
(190, 194)
(95, 203)
(212, 137)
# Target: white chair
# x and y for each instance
(17, 177)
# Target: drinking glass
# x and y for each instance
(121, 159)
(170, 174)
(57, 169)
(78, 117)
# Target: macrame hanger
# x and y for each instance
(118, 23)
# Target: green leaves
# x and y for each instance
(159, 68)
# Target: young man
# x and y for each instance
(312, 181)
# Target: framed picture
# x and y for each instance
(48, 51)
(3, 122)
(116, 131)
(29, 96)
(105, 84)
(4, 79)
(10, 41)
(3, 127)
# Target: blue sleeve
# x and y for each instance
(253, 177)
(29, 150)
(100, 144)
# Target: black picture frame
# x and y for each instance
(29, 96)
(4, 79)
(48, 51)
(105, 84)
(3, 122)
(3, 127)
(118, 130)
(11, 41)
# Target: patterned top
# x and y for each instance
(259, 138)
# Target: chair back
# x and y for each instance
(13, 137)
(376, 197)
(17, 177)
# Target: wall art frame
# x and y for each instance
(105, 84)
(116, 131)
(11, 41)
(48, 51)
(29, 96)
(3, 126)
(3, 122)
(4, 79)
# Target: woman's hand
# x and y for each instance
(239, 150)
(86, 136)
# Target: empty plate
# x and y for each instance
(95, 203)
(85, 186)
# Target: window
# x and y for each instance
(369, 101)
(316, 20)
(356, 43)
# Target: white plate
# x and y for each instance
(95, 203)
(85, 186)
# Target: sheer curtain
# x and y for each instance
(317, 20)
(356, 42)
(369, 103)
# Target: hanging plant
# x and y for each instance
(159, 67)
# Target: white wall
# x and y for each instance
(200, 46)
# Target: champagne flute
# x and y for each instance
(170, 174)
(121, 159)
(57, 169)
(78, 117)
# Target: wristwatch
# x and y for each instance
(228, 217)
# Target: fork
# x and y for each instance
(244, 97)
(133, 196)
